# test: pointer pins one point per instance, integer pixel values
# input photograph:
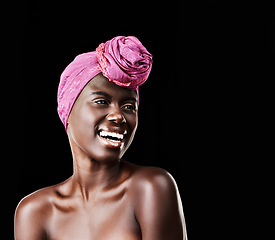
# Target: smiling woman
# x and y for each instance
(106, 197)
(109, 112)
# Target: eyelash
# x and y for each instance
(132, 107)
(125, 106)
(99, 101)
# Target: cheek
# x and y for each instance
(132, 124)
(82, 125)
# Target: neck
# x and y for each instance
(90, 175)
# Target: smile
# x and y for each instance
(112, 139)
(112, 136)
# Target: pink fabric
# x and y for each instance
(123, 60)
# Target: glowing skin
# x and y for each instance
(106, 198)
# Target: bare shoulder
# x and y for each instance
(153, 182)
(41, 200)
(152, 177)
(157, 204)
(36, 204)
(31, 214)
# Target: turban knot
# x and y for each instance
(124, 61)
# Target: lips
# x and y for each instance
(112, 138)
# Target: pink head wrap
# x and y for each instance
(123, 60)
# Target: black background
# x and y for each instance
(196, 109)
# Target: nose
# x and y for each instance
(116, 117)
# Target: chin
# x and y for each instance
(106, 155)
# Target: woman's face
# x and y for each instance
(103, 120)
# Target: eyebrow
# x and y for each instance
(110, 97)
(102, 94)
(130, 99)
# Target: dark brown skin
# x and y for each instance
(106, 198)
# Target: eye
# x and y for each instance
(101, 101)
(129, 106)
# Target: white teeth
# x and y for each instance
(111, 134)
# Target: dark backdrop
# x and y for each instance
(192, 109)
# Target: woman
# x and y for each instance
(106, 197)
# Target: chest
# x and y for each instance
(104, 219)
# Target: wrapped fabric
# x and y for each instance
(123, 60)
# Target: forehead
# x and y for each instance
(101, 83)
